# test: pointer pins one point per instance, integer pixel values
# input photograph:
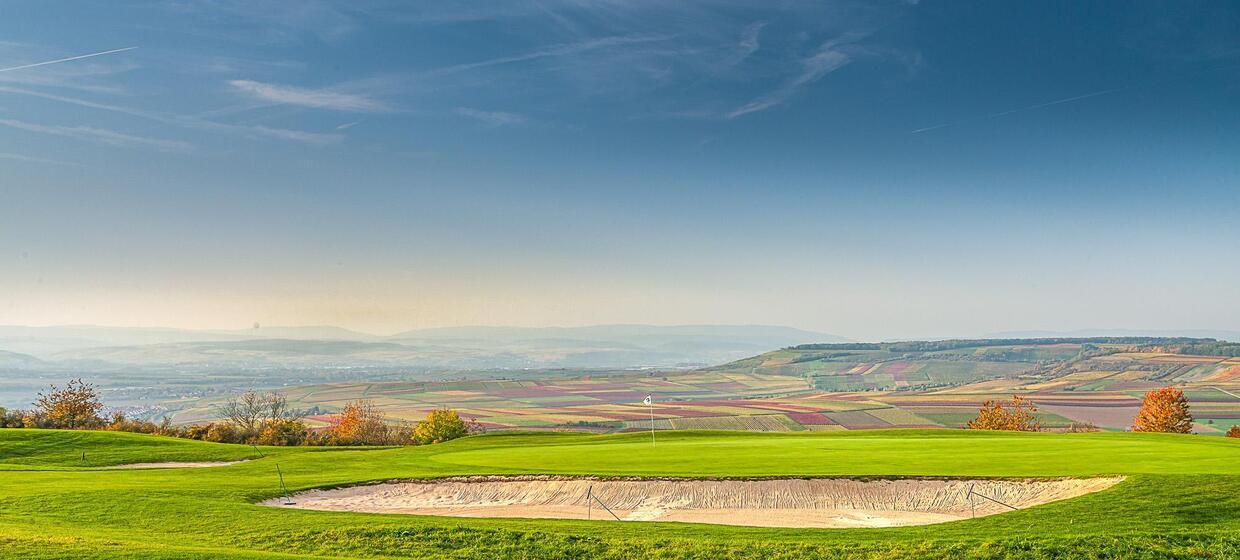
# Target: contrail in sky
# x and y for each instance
(1020, 110)
(79, 57)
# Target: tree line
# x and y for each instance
(940, 345)
(250, 418)
(1162, 410)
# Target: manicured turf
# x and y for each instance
(1181, 498)
(58, 448)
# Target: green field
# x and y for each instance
(1181, 498)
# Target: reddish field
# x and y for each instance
(1113, 417)
(811, 419)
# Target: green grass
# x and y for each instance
(1181, 498)
(56, 448)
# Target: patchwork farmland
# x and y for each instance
(811, 389)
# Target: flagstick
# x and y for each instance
(651, 421)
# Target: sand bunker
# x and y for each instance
(823, 502)
(174, 465)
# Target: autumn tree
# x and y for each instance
(1164, 410)
(360, 424)
(74, 407)
(1019, 414)
(440, 426)
(1234, 431)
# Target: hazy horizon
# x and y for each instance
(829, 336)
(874, 170)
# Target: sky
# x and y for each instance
(869, 169)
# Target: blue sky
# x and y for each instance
(872, 169)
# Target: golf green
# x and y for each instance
(1181, 498)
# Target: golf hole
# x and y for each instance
(790, 502)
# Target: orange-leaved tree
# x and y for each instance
(360, 424)
(1019, 415)
(75, 406)
(1164, 410)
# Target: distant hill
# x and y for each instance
(322, 332)
(1228, 335)
(920, 365)
(245, 354)
(612, 332)
(76, 348)
(43, 341)
(17, 360)
(618, 345)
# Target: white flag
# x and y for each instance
(647, 401)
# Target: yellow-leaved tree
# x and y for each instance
(1018, 415)
(440, 426)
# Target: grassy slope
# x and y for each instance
(1182, 498)
(21, 449)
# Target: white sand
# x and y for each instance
(173, 465)
(823, 502)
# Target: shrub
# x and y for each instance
(119, 423)
(440, 426)
(282, 432)
(36, 419)
(13, 418)
(1164, 410)
(197, 431)
(1018, 415)
(222, 432)
(1234, 431)
(1081, 427)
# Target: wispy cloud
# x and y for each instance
(275, 22)
(827, 59)
(1018, 110)
(348, 125)
(749, 42)
(493, 118)
(179, 121)
(298, 135)
(305, 97)
(85, 103)
(438, 13)
(100, 136)
(562, 49)
(84, 77)
(32, 159)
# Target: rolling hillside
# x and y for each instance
(138, 367)
(822, 387)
